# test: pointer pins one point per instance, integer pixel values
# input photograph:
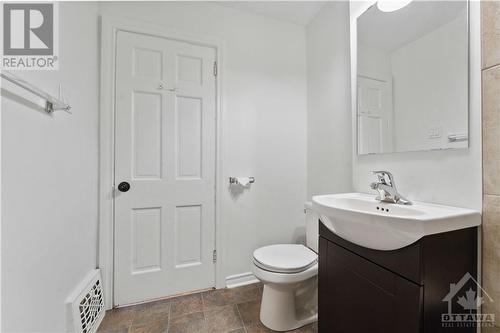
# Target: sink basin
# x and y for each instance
(364, 221)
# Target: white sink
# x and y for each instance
(364, 221)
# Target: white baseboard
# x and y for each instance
(239, 280)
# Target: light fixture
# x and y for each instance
(392, 5)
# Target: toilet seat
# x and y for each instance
(284, 278)
(285, 258)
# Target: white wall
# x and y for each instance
(375, 63)
(449, 177)
(264, 117)
(329, 139)
(49, 184)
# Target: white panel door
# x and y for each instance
(165, 150)
(374, 116)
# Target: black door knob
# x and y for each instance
(123, 187)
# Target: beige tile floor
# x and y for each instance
(225, 310)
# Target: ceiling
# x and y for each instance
(389, 31)
(298, 12)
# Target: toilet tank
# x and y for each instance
(312, 227)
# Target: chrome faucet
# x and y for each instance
(386, 188)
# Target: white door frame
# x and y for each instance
(109, 29)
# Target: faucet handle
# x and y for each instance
(382, 177)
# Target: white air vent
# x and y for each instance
(87, 304)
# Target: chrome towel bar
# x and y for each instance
(51, 103)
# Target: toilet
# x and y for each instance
(289, 274)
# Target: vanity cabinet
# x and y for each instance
(401, 291)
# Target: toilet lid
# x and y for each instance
(285, 258)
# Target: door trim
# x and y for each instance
(110, 26)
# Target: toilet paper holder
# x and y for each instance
(234, 180)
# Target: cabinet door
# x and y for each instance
(356, 295)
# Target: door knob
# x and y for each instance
(123, 187)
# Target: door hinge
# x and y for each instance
(215, 68)
(214, 256)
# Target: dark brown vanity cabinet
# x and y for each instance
(401, 291)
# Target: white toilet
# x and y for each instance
(289, 274)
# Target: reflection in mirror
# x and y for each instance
(412, 78)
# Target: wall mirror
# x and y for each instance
(413, 77)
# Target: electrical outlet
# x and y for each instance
(434, 132)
